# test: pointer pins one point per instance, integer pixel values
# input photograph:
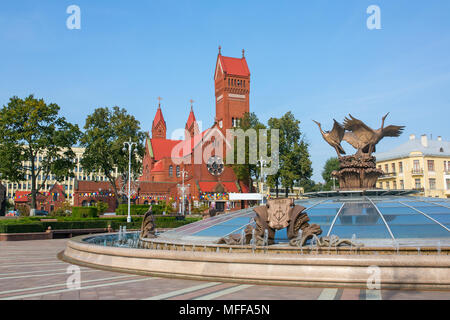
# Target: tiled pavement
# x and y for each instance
(31, 270)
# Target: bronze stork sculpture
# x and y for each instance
(363, 138)
(334, 137)
(358, 171)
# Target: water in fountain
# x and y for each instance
(299, 237)
(353, 241)
(438, 247)
(418, 251)
(266, 238)
(242, 237)
(253, 241)
(397, 247)
(316, 242)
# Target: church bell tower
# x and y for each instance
(232, 89)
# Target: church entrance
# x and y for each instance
(220, 206)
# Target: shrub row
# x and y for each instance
(84, 212)
(35, 226)
(140, 209)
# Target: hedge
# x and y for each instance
(27, 225)
(84, 212)
(135, 209)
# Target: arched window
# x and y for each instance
(178, 171)
(170, 171)
(84, 203)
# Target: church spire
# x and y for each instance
(159, 124)
(191, 124)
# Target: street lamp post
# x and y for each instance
(262, 163)
(130, 146)
(183, 174)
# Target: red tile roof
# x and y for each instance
(158, 117)
(191, 119)
(234, 66)
(158, 167)
(210, 186)
(162, 148)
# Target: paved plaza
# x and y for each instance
(31, 270)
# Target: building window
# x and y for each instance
(170, 171)
(400, 167)
(416, 165)
(417, 184)
(448, 184)
(386, 168)
(432, 184)
(393, 167)
(402, 184)
(430, 165)
(446, 166)
(395, 185)
(178, 171)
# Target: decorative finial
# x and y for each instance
(220, 50)
(191, 101)
(159, 102)
(243, 53)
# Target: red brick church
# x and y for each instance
(197, 159)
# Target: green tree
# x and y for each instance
(295, 163)
(248, 171)
(35, 142)
(331, 165)
(105, 133)
(101, 207)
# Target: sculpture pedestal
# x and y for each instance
(357, 172)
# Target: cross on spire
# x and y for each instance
(191, 101)
(220, 49)
(159, 101)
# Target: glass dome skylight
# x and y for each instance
(374, 220)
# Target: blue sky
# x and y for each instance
(314, 58)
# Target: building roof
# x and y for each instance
(158, 117)
(234, 66)
(191, 119)
(424, 145)
(210, 186)
(93, 186)
(159, 167)
(162, 148)
(151, 187)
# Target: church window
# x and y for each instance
(178, 171)
(170, 171)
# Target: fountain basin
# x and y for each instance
(276, 265)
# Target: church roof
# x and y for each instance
(191, 119)
(162, 148)
(159, 167)
(234, 66)
(158, 117)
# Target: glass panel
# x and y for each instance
(221, 229)
(322, 212)
(432, 210)
(442, 218)
(360, 219)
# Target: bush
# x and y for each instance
(135, 209)
(84, 212)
